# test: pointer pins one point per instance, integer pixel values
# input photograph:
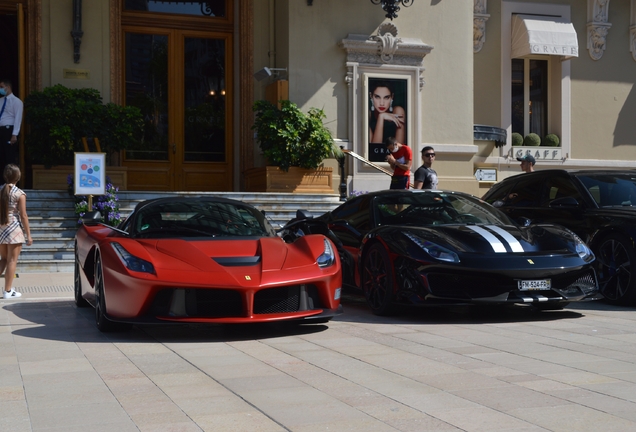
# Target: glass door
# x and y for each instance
(178, 80)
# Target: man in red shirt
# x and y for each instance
(400, 158)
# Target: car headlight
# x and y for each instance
(434, 250)
(132, 262)
(328, 257)
(582, 250)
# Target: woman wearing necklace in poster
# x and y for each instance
(386, 119)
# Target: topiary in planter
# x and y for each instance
(517, 139)
(551, 140)
(531, 140)
(289, 137)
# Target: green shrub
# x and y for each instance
(289, 137)
(517, 139)
(551, 140)
(58, 117)
(532, 139)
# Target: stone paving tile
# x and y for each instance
(573, 418)
(481, 419)
(239, 422)
(73, 415)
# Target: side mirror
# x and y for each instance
(92, 218)
(524, 221)
(565, 202)
(303, 214)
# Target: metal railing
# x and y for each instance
(341, 163)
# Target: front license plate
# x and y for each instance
(527, 285)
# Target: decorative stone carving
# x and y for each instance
(632, 28)
(385, 48)
(387, 36)
(597, 39)
(597, 27)
(479, 25)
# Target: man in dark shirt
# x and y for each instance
(425, 176)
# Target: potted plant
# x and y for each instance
(58, 117)
(551, 140)
(295, 144)
(532, 140)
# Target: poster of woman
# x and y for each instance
(387, 115)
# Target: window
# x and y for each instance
(529, 96)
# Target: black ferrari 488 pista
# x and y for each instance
(441, 247)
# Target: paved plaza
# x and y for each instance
(455, 369)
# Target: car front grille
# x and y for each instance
(224, 303)
(469, 286)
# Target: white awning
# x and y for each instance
(534, 34)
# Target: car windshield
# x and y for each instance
(434, 208)
(199, 218)
(610, 190)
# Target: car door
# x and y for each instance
(350, 222)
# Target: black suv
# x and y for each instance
(599, 206)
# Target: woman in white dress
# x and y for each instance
(14, 227)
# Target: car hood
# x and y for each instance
(498, 238)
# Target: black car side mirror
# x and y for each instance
(91, 218)
(523, 221)
(565, 202)
(303, 214)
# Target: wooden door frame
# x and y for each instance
(158, 167)
(243, 11)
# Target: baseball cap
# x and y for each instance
(527, 158)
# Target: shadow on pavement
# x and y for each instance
(63, 321)
(356, 310)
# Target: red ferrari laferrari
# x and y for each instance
(202, 260)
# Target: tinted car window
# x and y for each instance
(526, 193)
(499, 192)
(611, 190)
(559, 187)
(355, 212)
(422, 209)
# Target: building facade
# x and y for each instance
(461, 76)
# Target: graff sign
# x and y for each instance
(555, 50)
(540, 153)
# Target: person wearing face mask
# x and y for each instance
(400, 158)
(10, 120)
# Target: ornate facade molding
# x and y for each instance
(34, 45)
(632, 28)
(116, 84)
(480, 16)
(246, 86)
(385, 48)
(597, 27)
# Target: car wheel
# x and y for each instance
(616, 265)
(101, 321)
(77, 284)
(377, 280)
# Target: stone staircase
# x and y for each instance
(53, 221)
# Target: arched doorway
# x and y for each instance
(176, 66)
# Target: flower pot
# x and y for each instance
(296, 180)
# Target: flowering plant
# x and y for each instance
(108, 204)
(354, 193)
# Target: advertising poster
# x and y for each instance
(90, 173)
(386, 114)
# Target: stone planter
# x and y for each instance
(54, 178)
(296, 180)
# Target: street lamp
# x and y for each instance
(392, 7)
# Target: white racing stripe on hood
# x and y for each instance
(490, 238)
(512, 241)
